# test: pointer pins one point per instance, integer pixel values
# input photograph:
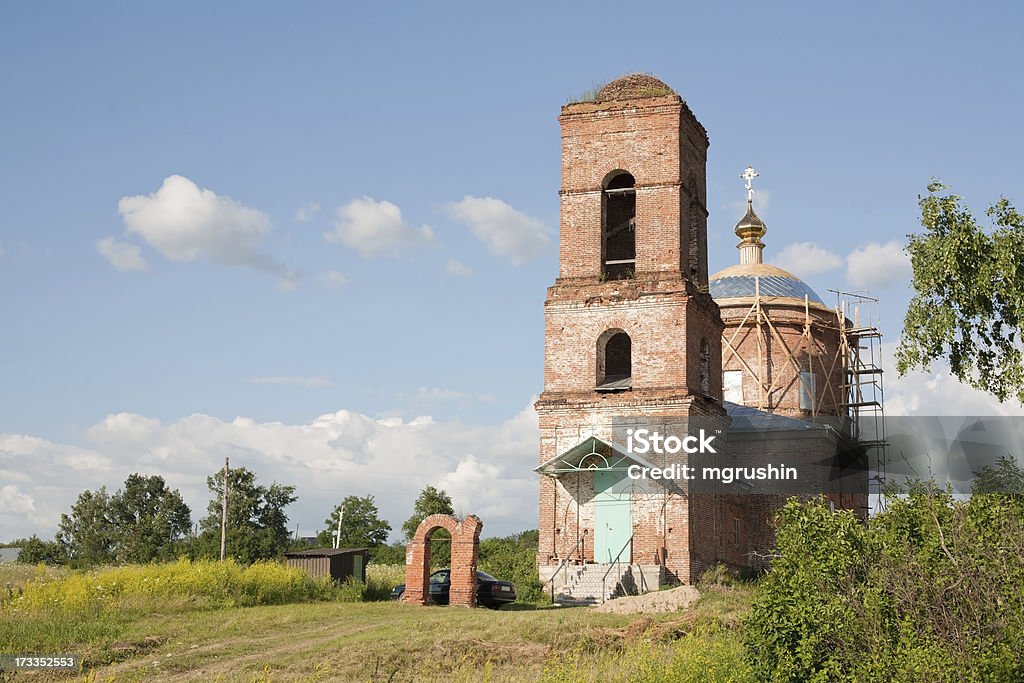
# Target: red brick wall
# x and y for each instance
(662, 145)
(665, 310)
(820, 356)
(664, 325)
(465, 547)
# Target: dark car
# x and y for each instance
(490, 592)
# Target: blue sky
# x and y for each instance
(291, 114)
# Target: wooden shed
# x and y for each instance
(337, 563)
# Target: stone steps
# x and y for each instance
(585, 584)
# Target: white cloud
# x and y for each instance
(940, 393)
(806, 258)
(122, 255)
(480, 488)
(373, 228)
(936, 392)
(503, 230)
(296, 380)
(185, 222)
(878, 265)
(307, 212)
(333, 279)
(14, 502)
(46, 478)
(458, 268)
(334, 455)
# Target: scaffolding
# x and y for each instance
(858, 399)
(864, 388)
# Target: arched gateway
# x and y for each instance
(465, 546)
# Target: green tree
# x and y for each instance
(35, 550)
(86, 535)
(392, 553)
(431, 501)
(147, 519)
(1006, 476)
(361, 527)
(800, 611)
(257, 523)
(514, 558)
(968, 302)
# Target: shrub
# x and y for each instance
(377, 587)
(800, 611)
(719, 575)
(514, 558)
(202, 583)
(928, 590)
(386, 575)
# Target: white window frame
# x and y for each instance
(730, 389)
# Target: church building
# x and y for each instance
(637, 334)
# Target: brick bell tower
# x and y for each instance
(630, 329)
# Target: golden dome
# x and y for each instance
(750, 226)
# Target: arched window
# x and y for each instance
(618, 229)
(614, 361)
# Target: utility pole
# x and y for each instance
(337, 534)
(224, 512)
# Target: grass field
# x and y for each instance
(159, 638)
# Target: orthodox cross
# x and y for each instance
(749, 175)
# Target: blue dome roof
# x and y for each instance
(741, 281)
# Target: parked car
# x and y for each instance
(490, 592)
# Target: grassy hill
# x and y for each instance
(218, 629)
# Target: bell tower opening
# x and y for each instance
(618, 227)
(614, 361)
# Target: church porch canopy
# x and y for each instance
(592, 454)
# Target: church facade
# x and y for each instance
(633, 336)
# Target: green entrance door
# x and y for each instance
(613, 519)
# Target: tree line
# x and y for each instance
(146, 521)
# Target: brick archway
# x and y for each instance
(465, 546)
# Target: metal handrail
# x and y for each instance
(617, 562)
(579, 545)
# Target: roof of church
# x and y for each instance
(747, 419)
(751, 275)
(741, 281)
(633, 87)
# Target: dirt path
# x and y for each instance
(238, 656)
(352, 642)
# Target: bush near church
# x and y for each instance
(929, 590)
(514, 558)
